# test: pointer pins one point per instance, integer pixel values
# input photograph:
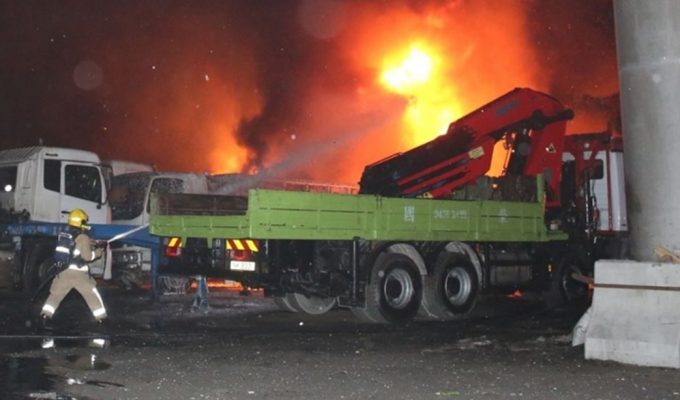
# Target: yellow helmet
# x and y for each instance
(78, 219)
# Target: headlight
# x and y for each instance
(127, 257)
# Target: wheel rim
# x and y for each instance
(457, 286)
(398, 289)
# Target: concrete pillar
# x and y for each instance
(648, 44)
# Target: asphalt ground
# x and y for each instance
(244, 347)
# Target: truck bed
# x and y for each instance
(199, 204)
(275, 214)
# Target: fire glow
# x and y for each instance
(416, 68)
(417, 76)
(410, 73)
(322, 88)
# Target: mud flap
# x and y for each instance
(635, 314)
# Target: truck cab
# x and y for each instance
(129, 198)
(42, 184)
(593, 200)
(39, 187)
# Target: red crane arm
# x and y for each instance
(532, 123)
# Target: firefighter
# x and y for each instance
(74, 251)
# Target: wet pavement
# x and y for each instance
(245, 348)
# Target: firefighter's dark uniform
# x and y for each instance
(75, 249)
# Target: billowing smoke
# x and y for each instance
(311, 89)
(576, 44)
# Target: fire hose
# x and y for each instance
(126, 233)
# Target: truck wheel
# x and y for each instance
(171, 285)
(394, 292)
(563, 288)
(283, 303)
(363, 315)
(312, 305)
(32, 266)
(17, 281)
(46, 270)
(451, 291)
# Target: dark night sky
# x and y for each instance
(170, 82)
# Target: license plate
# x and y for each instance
(242, 265)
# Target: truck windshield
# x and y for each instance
(127, 195)
(83, 182)
(8, 179)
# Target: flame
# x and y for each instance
(416, 74)
(398, 75)
(228, 155)
(441, 63)
(214, 283)
(410, 73)
(338, 84)
(391, 77)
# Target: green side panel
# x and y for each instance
(273, 214)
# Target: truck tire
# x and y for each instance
(283, 303)
(46, 270)
(312, 305)
(452, 289)
(31, 275)
(563, 289)
(394, 292)
(362, 314)
(170, 285)
(17, 278)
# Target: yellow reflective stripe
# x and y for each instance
(241, 245)
(173, 242)
(251, 245)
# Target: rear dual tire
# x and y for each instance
(394, 291)
(452, 289)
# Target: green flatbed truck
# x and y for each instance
(429, 230)
(387, 259)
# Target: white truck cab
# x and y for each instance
(610, 193)
(605, 187)
(130, 203)
(46, 183)
(39, 187)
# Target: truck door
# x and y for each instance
(84, 188)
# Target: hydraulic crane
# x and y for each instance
(532, 124)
